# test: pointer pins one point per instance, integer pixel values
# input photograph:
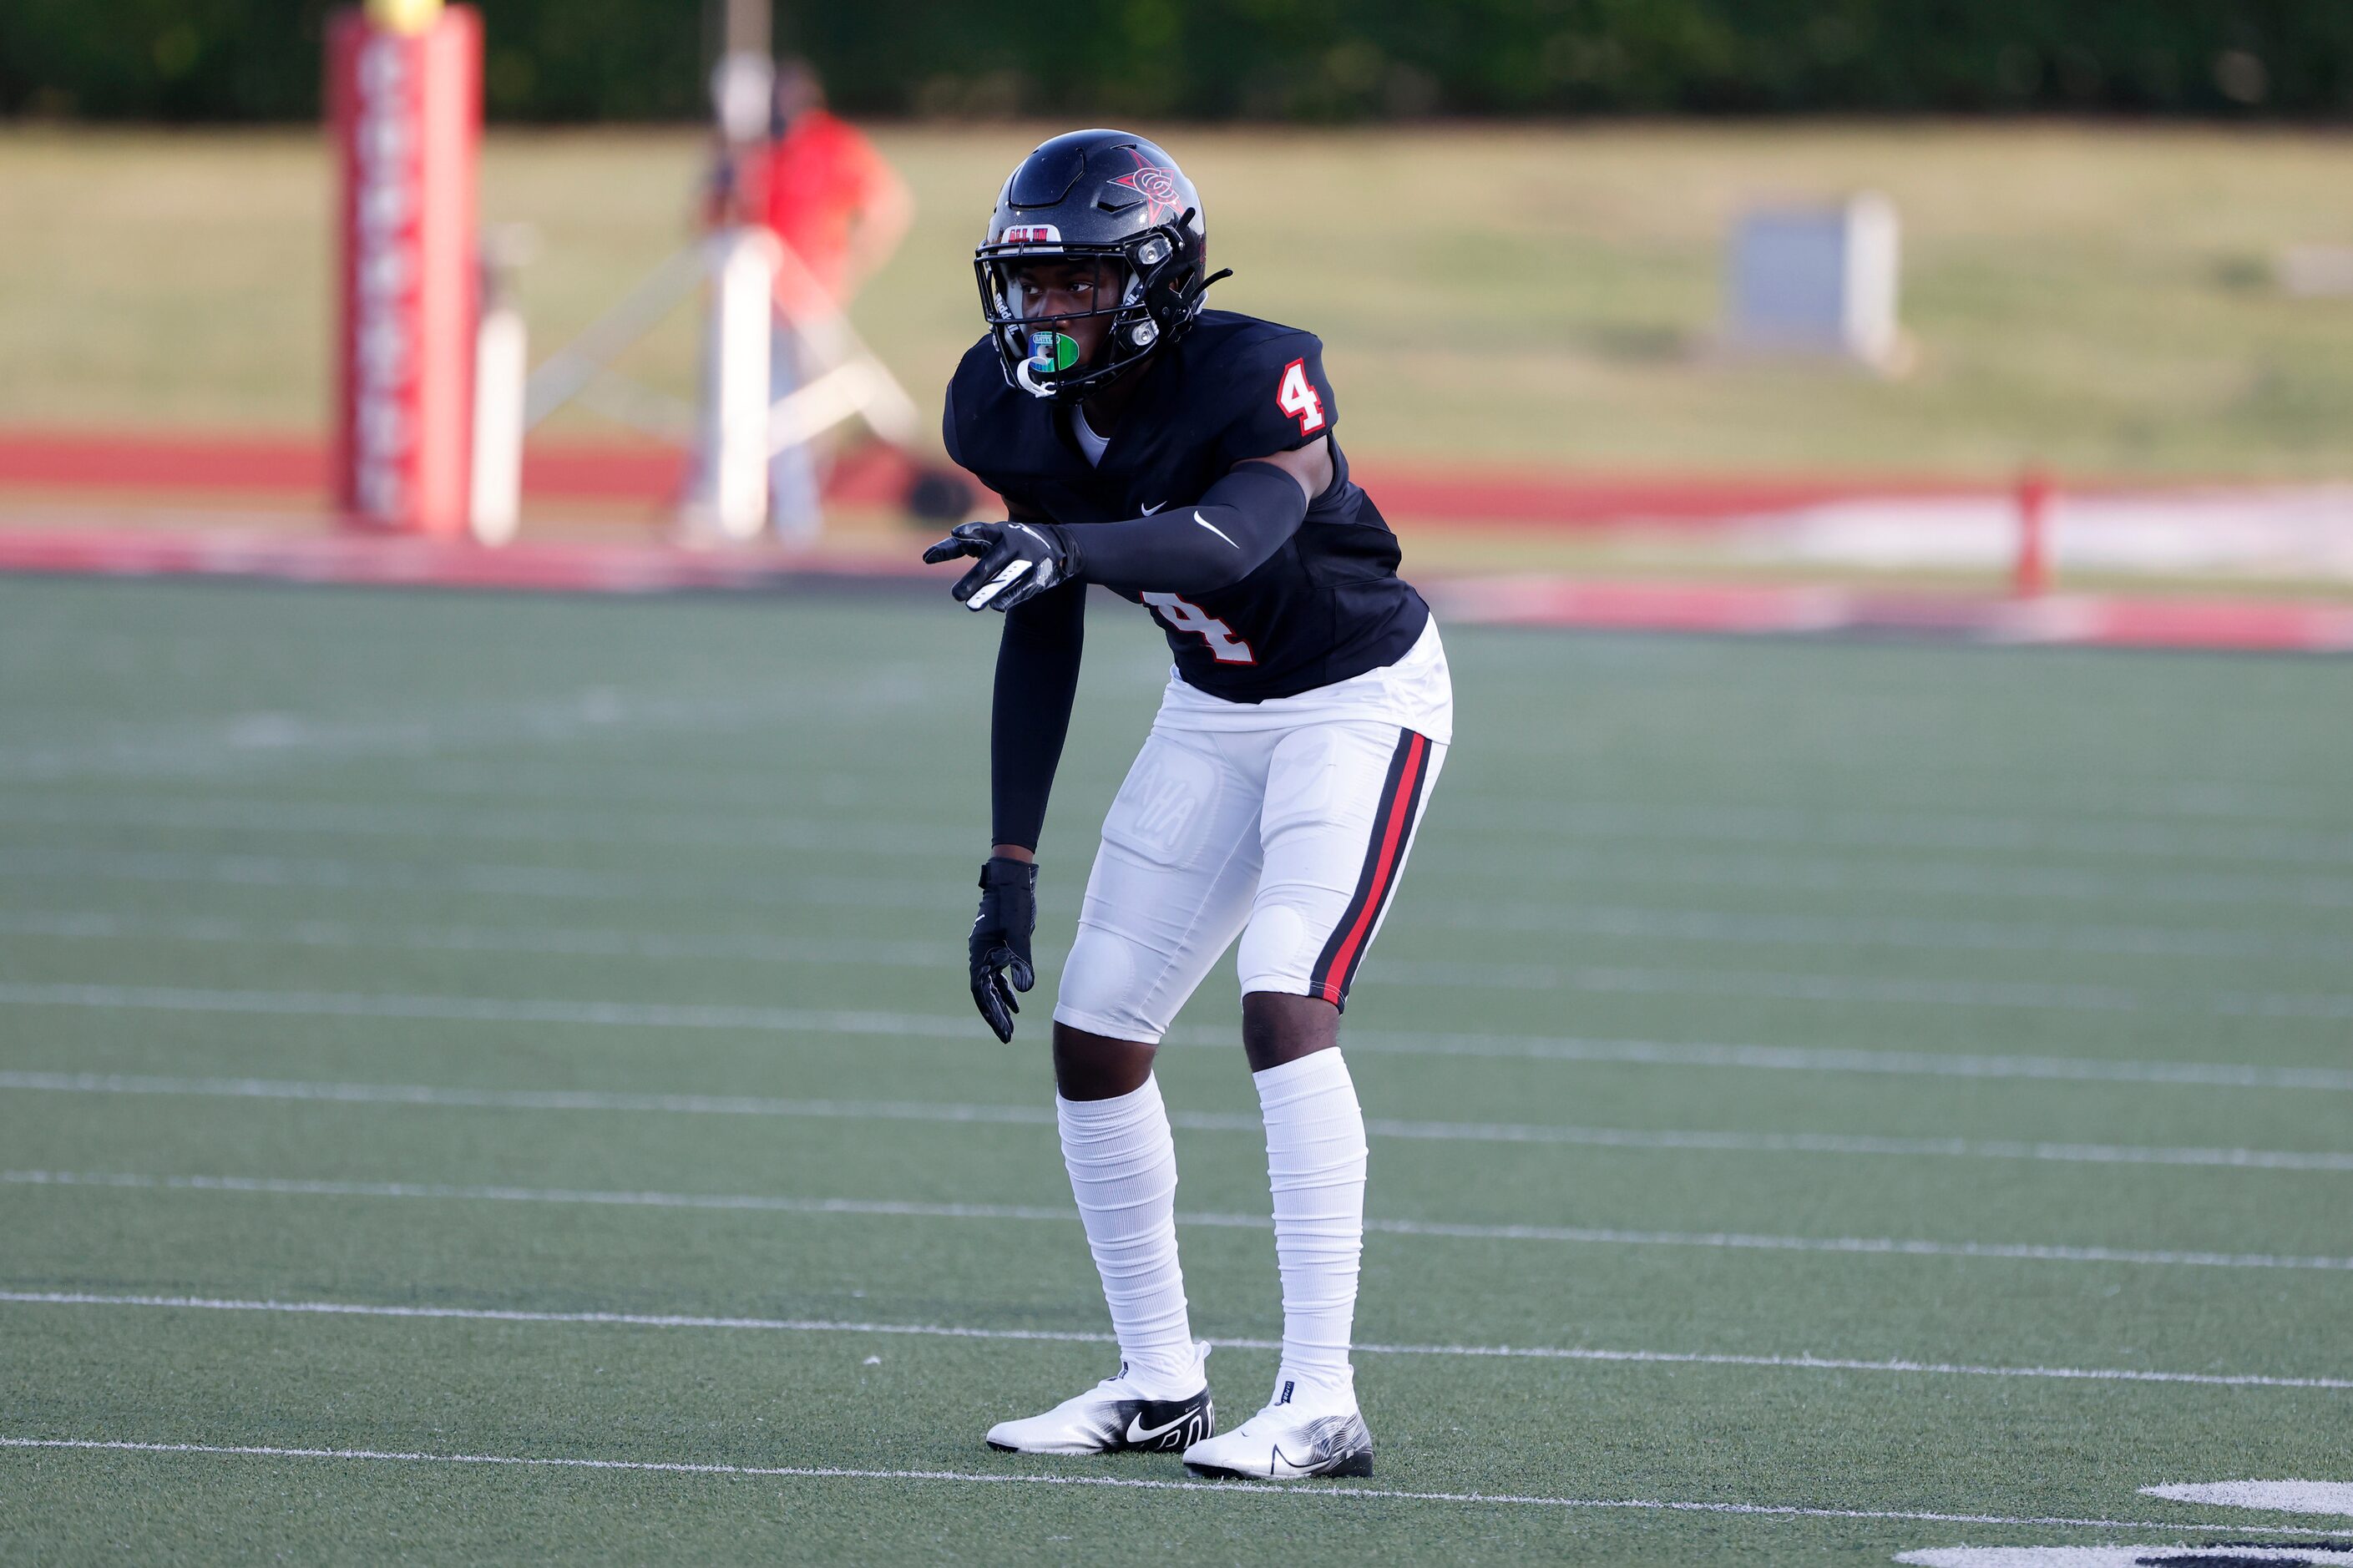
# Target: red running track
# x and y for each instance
(596, 567)
(294, 467)
(1486, 495)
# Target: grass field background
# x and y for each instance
(2098, 297)
(570, 957)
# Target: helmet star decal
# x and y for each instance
(1155, 185)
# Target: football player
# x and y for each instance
(1183, 458)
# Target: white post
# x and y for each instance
(502, 367)
(502, 381)
(731, 482)
(1874, 262)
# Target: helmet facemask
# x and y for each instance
(1129, 288)
(1060, 316)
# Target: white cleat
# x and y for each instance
(1281, 1444)
(1113, 1417)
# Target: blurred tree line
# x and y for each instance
(1323, 60)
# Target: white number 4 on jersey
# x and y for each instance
(1186, 616)
(1296, 397)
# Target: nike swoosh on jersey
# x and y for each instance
(1138, 1433)
(1213, 527)
(1156, 506)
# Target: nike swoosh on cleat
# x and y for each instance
(1138, 1433)
(1213, 527)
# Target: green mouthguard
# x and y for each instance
(1052, 351)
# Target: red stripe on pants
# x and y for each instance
(1336, 977)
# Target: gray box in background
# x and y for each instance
(1817, 280)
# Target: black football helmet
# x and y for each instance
(1105, 196)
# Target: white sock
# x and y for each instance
(1122, 1166)
(1315, 1163)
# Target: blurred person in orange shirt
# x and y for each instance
(839, 210)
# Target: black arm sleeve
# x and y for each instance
(1037, 677)
(1217, 542)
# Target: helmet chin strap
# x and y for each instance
(1021, 375)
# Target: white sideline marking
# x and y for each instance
(1190, 1120)
(2281, 1497)
(1389, 1042)
(903, 1210)
(2240, 1555)
(1265, 1488)
(606, 943)
(1644, 922)
(936, 1330)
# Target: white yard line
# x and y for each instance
(1895, 990)
(1389, 1042)
(399, 1094)
(1324, 1491)
(1934, 934)
(1645, 924)
(395, 1094)
(2280, 1496)
(259, 738)
(481, 879)
(2062, 802)
(95, 925)
(244, 740)
(1053, 1336)
(484, 1010)
(2024, 833)
(493, 825)
(1818, 1058)
(674, 828)
(760, 1203)
(1903, 873)
(2135, 830)
(592, 941)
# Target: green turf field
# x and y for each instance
(2097, 297)
(1974, 1021)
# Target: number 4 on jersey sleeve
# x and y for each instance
(1297, 397)
(1186, 616)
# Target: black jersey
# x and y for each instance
(1327, 606)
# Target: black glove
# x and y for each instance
(1000, 938)
(1017, 561)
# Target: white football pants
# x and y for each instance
(1292, 838)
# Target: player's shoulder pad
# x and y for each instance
(974, 393)
(1269, 382)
